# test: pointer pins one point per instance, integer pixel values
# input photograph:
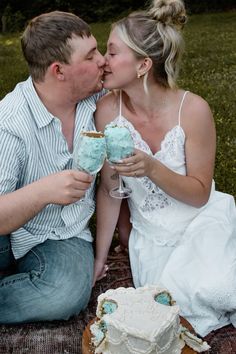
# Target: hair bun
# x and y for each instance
(168, 12)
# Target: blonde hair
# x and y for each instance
(156, 34)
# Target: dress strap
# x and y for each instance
(120, 112)
(180, 107)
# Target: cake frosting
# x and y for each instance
(119, 142)
(140, 321)
(91, 152)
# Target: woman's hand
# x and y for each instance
(100, 270)
(138, 165)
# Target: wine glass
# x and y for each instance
(91, 152)
(119, 146)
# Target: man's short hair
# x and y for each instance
(47, 38)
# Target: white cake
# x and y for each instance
(139, 324)
(119, 142)
(139, 321)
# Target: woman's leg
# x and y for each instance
(123, 225)
(53, 282)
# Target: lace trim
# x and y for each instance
(156, 198)
(173, 142)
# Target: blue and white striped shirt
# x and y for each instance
(32, 146)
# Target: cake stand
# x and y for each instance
(86, 339)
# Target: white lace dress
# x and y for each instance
(191, 251)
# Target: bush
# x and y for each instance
(19, 12)
(14, 22)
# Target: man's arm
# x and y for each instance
(20, 206)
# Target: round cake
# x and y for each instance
(140, 321)
(119, 142)
(91, 151)
(132, 321)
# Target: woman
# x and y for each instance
(183, 231)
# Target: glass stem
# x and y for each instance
(120, 185)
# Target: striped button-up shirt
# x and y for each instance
(32, 146)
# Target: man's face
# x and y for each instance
(85, 70)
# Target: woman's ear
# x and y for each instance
(144, 66)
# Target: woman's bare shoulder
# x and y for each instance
(196, 113)
(107, 110)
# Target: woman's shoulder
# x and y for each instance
(196, 104)
(196, 112)
(108, 102)
(107, 109)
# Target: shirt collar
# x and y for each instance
(39, 112)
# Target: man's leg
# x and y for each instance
(53, 282)
(7, 260)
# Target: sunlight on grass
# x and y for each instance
(208, 69)
(9, 42)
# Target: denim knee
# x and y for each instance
(64, 300)
(68, 286)
(53, 282)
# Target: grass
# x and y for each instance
(208, 69)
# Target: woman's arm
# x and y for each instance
(107, 208)
(107, 212)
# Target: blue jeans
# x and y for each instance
(53, 281)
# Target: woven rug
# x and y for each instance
(64, 337)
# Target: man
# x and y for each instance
(45, 205)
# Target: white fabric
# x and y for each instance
(191, 251)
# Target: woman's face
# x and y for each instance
(120, 64)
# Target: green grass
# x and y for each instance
(208, 69)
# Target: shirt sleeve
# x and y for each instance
(12, 153)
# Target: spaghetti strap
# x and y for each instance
(180, 107)
(120, 113)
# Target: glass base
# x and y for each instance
(120, 193)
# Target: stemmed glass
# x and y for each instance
(119, 146)
(91, 152)
(120, 192)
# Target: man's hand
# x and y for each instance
(64, 187)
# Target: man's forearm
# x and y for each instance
(18, 207)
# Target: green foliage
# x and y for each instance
(15, 20)
(93, 10)
(12, 65)
(18, 12)
(209, 69)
